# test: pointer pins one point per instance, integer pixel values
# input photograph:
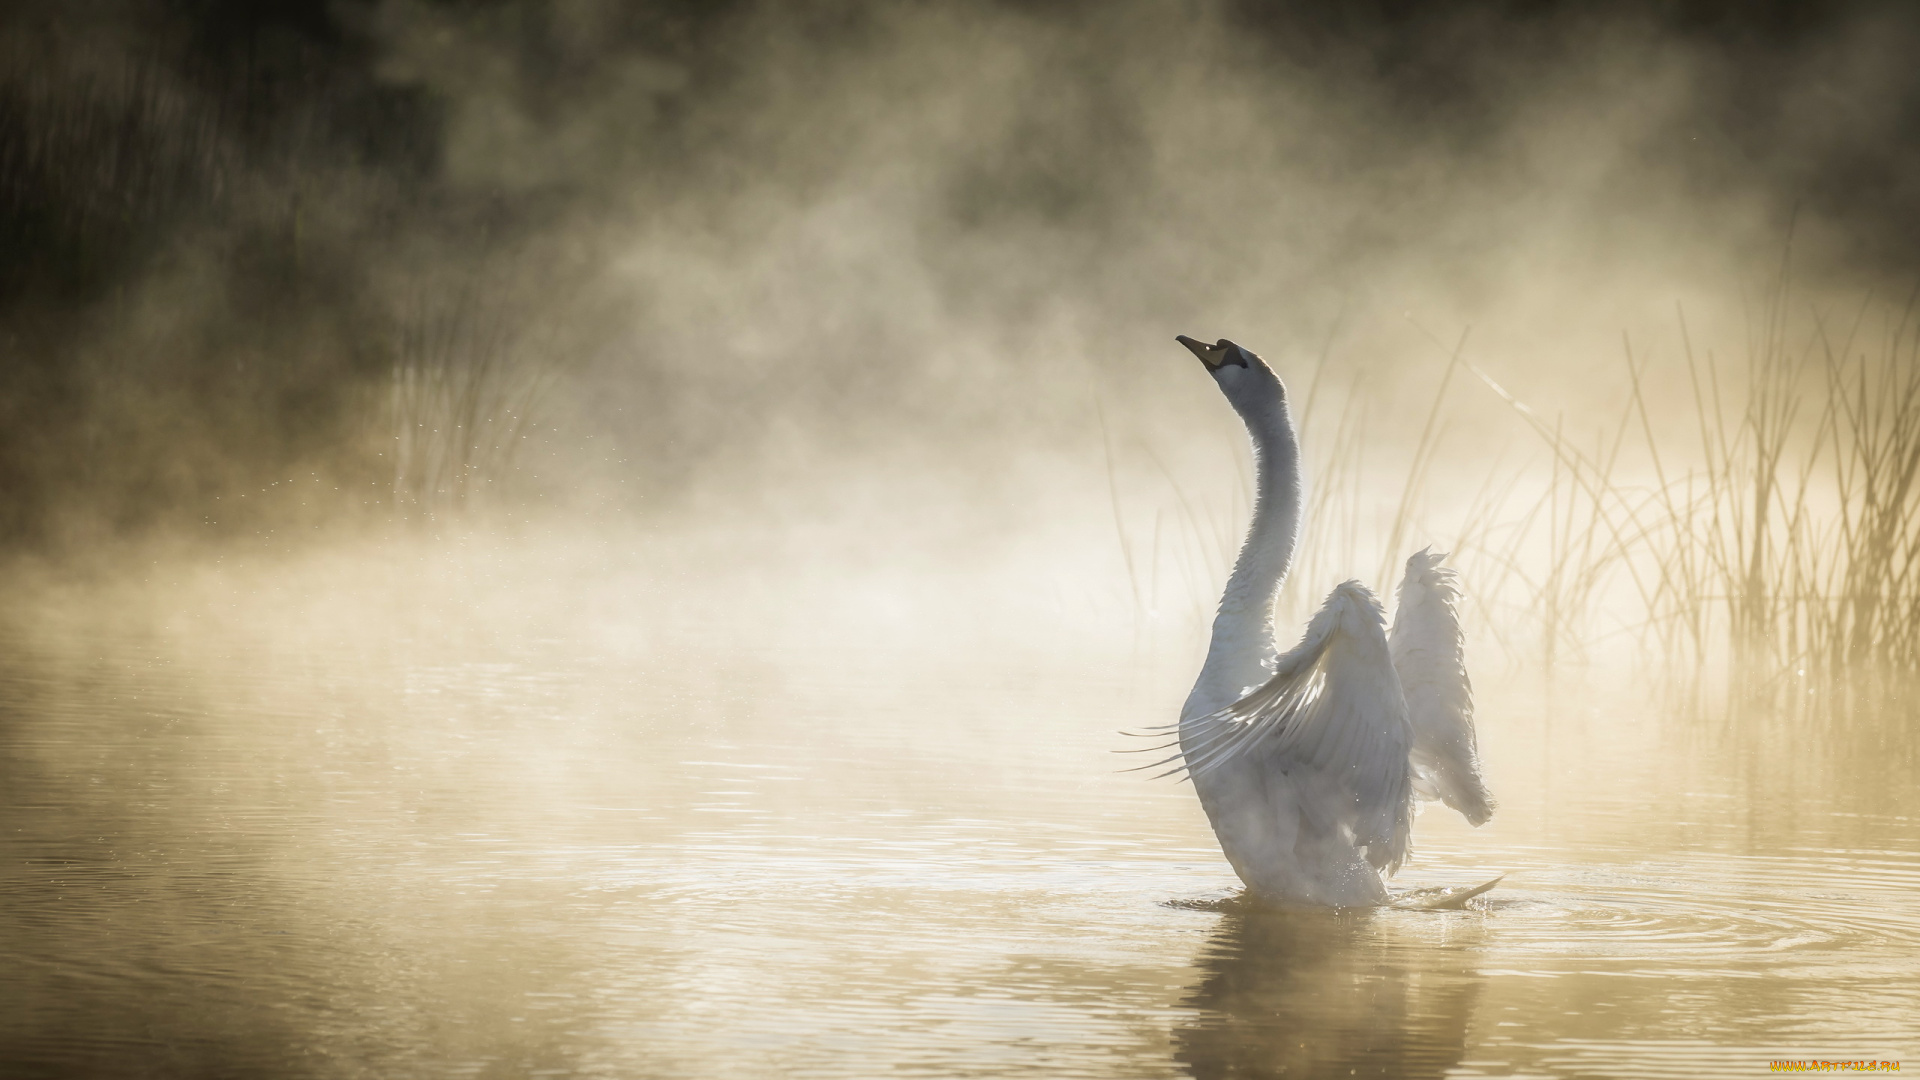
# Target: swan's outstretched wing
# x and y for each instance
(1427, 654)
(1332, 719)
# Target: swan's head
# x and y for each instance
(1250, 385)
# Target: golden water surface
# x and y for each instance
(290, 831)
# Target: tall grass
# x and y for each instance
(1798, 558)
(471, 368)
(1776, 554)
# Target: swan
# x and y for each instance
(1307, 762)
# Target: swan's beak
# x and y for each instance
(1207, 353)
(1217, 355)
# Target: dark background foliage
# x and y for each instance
(199, 198)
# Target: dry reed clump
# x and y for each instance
(467, 380)
(1781, 553)
(479, 342)
(1794, 550)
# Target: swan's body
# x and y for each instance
(1307, 762)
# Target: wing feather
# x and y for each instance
(1332, 718)
(1428, 654)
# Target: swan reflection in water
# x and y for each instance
(1317, 992)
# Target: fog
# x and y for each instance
(801, 261)
(530, 527)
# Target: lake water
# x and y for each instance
(264, 828)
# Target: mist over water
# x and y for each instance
(387, 816)
(601, 540)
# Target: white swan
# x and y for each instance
(1307, 762)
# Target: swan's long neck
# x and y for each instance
(1242, 650)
